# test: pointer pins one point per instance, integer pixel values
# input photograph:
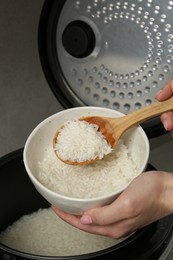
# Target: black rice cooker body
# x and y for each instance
(18, 197)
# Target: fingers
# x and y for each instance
(75, 221)
(71, 219)
(100, 216)
(115, 230)
(165, 92)
(167, 120)
(115, 212)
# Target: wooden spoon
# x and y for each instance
(113, 128)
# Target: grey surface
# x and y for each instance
(25, 97)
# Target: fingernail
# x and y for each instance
(86, 220)
(165, 123)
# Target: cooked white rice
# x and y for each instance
(111, 173)
(79, 141)
(43, 233)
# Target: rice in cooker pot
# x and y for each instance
(105, 176)
(43, 233)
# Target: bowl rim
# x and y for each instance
(75, 199)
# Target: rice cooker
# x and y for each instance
(22, 199)
(114, 54)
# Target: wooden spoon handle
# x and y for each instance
(146, 113)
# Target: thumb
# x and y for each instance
(105, 215)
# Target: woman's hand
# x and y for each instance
(163, 94)
(148, 198)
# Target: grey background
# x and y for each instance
(25, 97)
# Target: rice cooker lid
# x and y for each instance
(114, 54)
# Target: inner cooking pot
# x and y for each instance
(18, 197)
(114, 54)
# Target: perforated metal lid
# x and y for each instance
(114, 54)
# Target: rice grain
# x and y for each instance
(105, 176)
(44, 233)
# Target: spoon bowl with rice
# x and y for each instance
(91, 138)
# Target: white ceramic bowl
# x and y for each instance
(41, 138)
